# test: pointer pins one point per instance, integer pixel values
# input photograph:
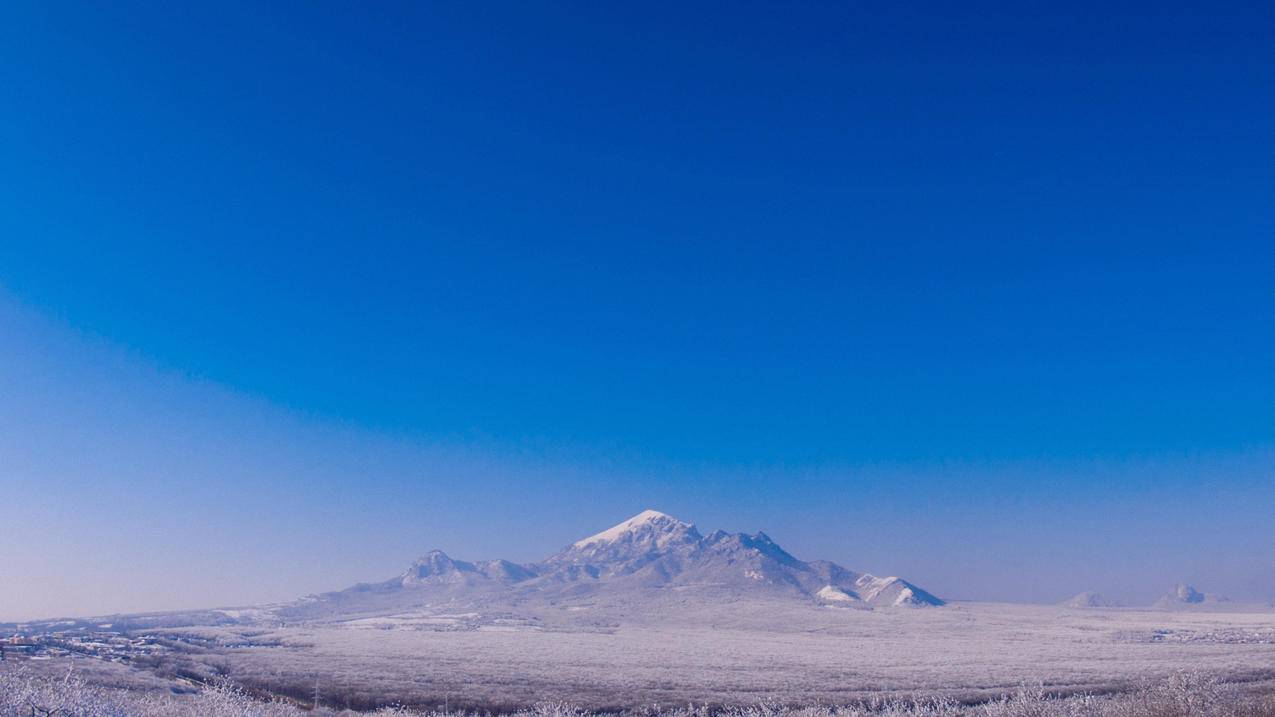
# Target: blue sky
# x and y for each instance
(967, 294)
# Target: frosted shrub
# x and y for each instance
(556, 709)
(1188, 694)
(1027, 701)
(23, 694)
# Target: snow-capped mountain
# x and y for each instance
(646, 555)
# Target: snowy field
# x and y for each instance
(23, 694)
(748, 654)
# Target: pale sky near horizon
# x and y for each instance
(138, 487)
(979, 296)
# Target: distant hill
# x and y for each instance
(637, 559)
(1087, 599)
(1183, 595)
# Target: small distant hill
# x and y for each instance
(1087, 599)
(1183, 595)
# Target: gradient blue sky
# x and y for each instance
(978, 295)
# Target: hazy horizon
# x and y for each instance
(291, 295)
(290, 504)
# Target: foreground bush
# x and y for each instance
(1183, 695)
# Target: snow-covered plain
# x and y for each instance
(652, 612)
(755, 651)
(1184, 694)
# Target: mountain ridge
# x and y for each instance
(651, 551)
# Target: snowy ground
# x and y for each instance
(748, 653)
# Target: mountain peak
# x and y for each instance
(1185, 594)
(434, 557)
(434, 564)
(648, 515)
(1088, 598)
(653, 518)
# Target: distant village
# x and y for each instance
(110, 646)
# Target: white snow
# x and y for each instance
(618, 531)
(831, 594)
(249, 614)
(869, 586)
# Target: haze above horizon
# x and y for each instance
(289, 295)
